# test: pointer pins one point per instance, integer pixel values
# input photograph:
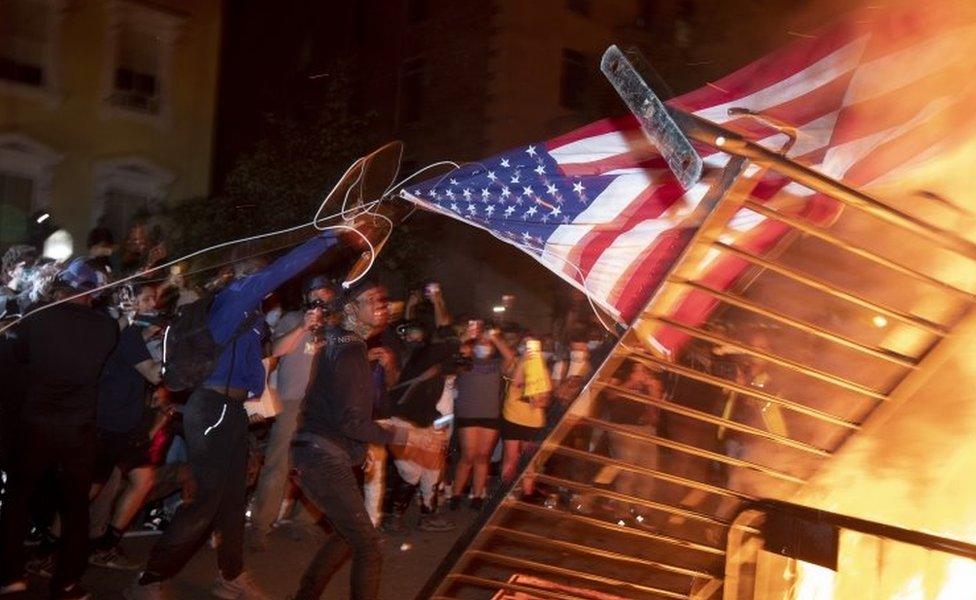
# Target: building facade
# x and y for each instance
(106, 110)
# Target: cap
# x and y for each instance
(363, 285)
(318, 282)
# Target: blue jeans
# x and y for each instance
(324, 472)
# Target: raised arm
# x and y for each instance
(242, 295)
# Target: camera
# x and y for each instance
(153, 319)
(325, 306)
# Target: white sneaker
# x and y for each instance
(241, 587)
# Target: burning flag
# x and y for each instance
(883, 97)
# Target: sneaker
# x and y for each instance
(72, 591)
(394, 524)
(41, 565)
(17, 586)
(241, 587)
(114, 558)
(150, 591)
(40, 536)
(434, 522)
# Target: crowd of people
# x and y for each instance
(222, 413)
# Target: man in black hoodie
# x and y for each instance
(336, 425)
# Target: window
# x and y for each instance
(126, 189)
(573, 80)
(141, 41)
(25, 34)
(580, 7)
(136, 70)
(413, 75)
(16, 202)
(26, 177)
(121, 208)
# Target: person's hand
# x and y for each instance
(314, 319)
(383, 356)
(415, 298)
(255, 418)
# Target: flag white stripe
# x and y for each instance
(600, 147)
(804, 81)
(841, 158)
(628, 246)
(899, 69)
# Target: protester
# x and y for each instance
(63, 350)
(639, 418)
(215, 424)
(477, 410)
(101, 247)
(15, 285)
(414, 402)
(384, 351)
(123, 438)
(336, 425)
(524, 411)
(297, 339)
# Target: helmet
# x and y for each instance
(80, 276)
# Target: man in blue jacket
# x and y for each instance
(215, 425)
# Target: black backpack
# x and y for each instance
(189, 350)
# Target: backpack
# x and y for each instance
(189, 351)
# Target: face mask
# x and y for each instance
(520, 349)
(577, 355)
(482, 351)
(593, 344)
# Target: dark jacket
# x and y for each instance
(63, 348)
(339, 401)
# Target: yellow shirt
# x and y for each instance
(516, 409)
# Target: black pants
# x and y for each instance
(70, 451)
(325, 475)
(216, 437)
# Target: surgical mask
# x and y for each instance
(593, 344)
(521, 349)
(577, 355)
(481, 351)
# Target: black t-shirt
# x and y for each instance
(338, 403)
(421, 383)
(64, 349)
(122, 389)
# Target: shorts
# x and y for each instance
(514, 431)
(487, 423)
(126, 451)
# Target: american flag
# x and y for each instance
(875, 98)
